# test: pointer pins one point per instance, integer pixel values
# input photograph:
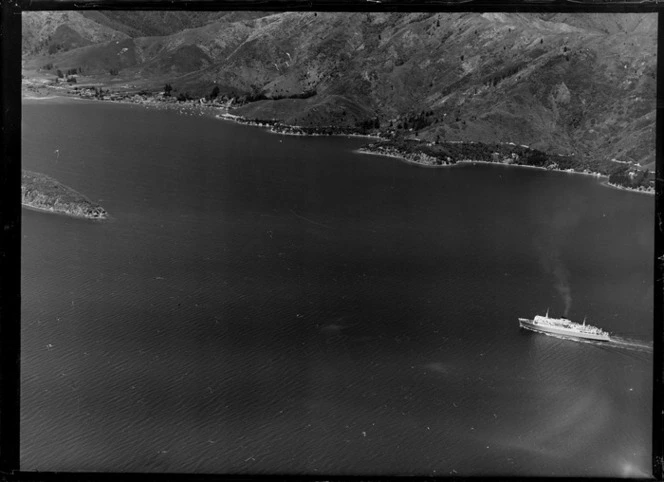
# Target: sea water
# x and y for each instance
(260, 303)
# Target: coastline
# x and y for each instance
(363, 150)
(413, 155)
(276, 127)
(539, 168)
(120, 98)
(37, 97)
(43, 193)
(51, 210)
(215, 109)
(623, 188)
(408, 159)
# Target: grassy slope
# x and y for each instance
(163, 23)
(39, 30)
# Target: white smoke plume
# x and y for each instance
(562, 284)
(554, 265)
(565, 218)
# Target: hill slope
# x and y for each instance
(559, 82)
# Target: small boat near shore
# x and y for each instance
(564, 327)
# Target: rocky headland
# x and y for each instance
(41, 192)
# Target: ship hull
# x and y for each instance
(554, 330)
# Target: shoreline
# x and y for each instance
(215, 109)
(43, 97)
(472, 162)
(363, 150)
(120, 98)
(403, 158)
(40, 192)
(526, 166)
(279, 128)
(421, 159)
(599, 176)
(51, 210)
(623, 188)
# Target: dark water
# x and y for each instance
(269, 304)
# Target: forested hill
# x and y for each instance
(563, 83)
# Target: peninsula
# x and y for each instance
(44, 193)
(447, 153)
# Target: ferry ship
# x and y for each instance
(563, 327)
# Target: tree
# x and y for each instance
(167, 90)
(215, 92)
(620, 176)
(535, 157)
(60, 74)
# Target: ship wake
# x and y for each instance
(615, 342)
(631, 344)
(571, 338)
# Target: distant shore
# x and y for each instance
(410, 160)
(418, 152)
(47, 91)
(43, 193)
(445, 154)
(414, 153)
(220, 109)
(650, 191)
(40, 97)
(277, 127)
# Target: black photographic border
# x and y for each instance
(10, 189)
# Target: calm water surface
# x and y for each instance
(273, 304)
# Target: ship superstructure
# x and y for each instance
(563, 327)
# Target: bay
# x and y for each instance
(261, 303)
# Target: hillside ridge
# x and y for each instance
(580, 84)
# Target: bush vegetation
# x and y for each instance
(452, 152)
(628, 177)
(43, 192)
